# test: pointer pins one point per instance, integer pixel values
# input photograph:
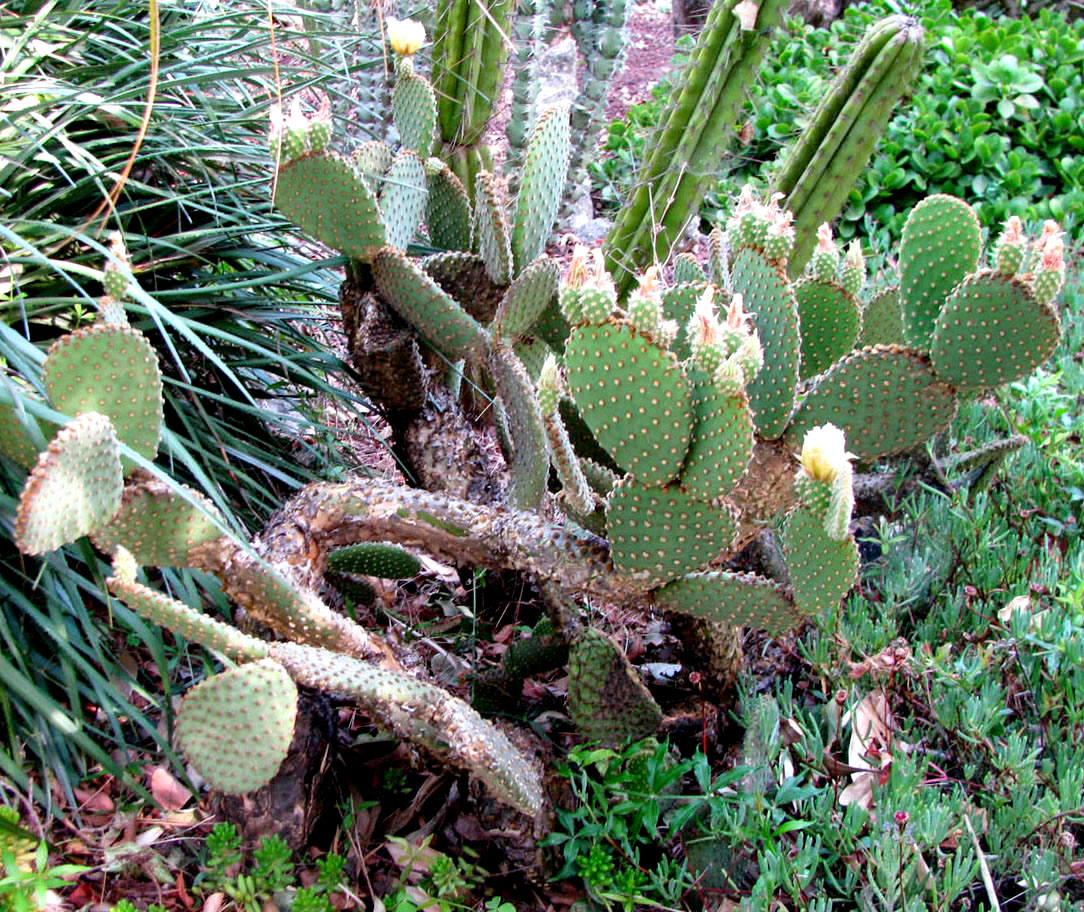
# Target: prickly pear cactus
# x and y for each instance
(236, 726)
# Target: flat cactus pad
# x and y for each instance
(886, 398)
(74, 488)
(830, 320)
(327, 198)
(882, 322)
(236, 727)
(769, 297)
(722, 442)
(733, 598)
(942, 242)
(992, 330)
(112, 370)
(375, 559)
(158, 526)
(822, 569)
(663, 533)
(606, 698)
(633, 396)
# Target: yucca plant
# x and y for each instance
(232, 308)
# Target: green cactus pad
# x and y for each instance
(527, 297)
(721, 444)
(178, 617)
(688, 269)
(679, 303)
(769, 297)
(552, 327)
(882, 321)
(371, 160)
(327, 198)
(111, 370)
(606, 698)
(660, 534)
(887, 399)
(633, 396)
(600, 478)
(530, 459)
(15, 441)
(157, 526)
(375, 559)
(236, 727)
(532, 354)
(541, 184)
(492, 235)
(464, 277)
(942, 241)
(822, 569)
(74, 488)
(111, 310)
(414, 108)
(424, 714)
(402, 199)
(830, 319)
(992, 330)
(742, 599)
(422, 303)
(447, 208)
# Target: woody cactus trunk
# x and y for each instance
(672, 425)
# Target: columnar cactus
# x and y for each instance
(694, 130)
(600, 33)
(684, 152)
(821, 168)
(469, 50)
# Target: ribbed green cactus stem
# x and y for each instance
(527, 31)
(822, 166)
(692, 137)
(471, 44)
(602, 46)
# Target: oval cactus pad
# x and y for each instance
(236, 727)
(112, 370)
(663, 533)
(326, 197)
(722, 442)
(769, 297)
(942, 241)
(823, 569)
(158, 526)
(633, 397)
(992, 330)
(733, 598)
(885, 398)
(75, 486)
(830, 320)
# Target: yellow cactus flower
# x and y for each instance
(405, 36)
(824, 453)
